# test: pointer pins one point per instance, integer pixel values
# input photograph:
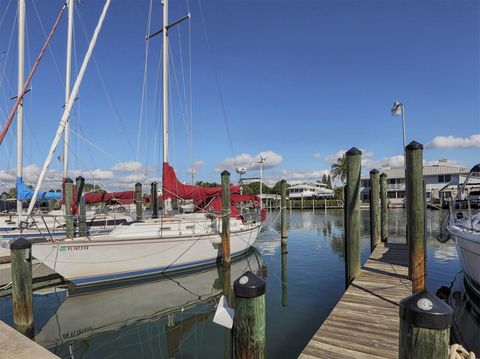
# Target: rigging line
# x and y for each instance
(217, 82)
(49, 48)
(144, 85)
(8, 53)
(183, 77)
(5, 12)
(185, 122)
(96, 147)
(113, 108)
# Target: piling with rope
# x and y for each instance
(415, 215)
(226, 217)
(425, 322)
(21, 268)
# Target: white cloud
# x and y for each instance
(129, 166)
(195, 168)
(132, 178)
(317, 155)
(333, 158)
(248, 161)
(455, 142)
(100, 174)
(293, 177)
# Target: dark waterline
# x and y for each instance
(173, 317)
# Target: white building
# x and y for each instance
(437, 177)
(310, 190)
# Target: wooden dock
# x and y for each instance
(365, 323)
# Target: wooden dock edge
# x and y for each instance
(15, 345)
(365, 322)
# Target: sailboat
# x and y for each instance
(160, 245)
(464, 228)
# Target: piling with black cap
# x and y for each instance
(375, 231)
(283, 210)
(138, 201)
(21, 268)
(352, 215)
(383, 207)
(425, 322)
(415, 215)
(250, 317)
(154, 194)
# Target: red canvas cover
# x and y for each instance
(126, 197)
(174, 189)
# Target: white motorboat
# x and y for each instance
(464, 228)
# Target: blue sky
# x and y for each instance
(299, 81)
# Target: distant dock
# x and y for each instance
(365, 322)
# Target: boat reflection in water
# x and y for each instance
(157, 319)
(465, 303)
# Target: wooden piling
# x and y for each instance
(82, 211)
(68, 195)
(21, 263)
(375, 220)
(283, 211)
(425, 323)
(250, 317)
(154, 194)
(383, 207)
(226, 217)
(284, 277)
(138, 201)
(352, 215)
(415, 215)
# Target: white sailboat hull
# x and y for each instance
(467, 243)
(85, 261)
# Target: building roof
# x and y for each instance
(432, 170)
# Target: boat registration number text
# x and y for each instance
(73, 248)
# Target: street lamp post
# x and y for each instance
(398, 109)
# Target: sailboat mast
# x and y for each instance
(21, 57)
(165, 81)
(70, 4)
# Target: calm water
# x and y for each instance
(172, 317)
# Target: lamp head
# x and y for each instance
(241, 170)
(397, 108)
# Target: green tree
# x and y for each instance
(12, 193)
(329, 182)
(255, 188)
(324, 179)
(339, 169)
(207, 184)
(277, 189)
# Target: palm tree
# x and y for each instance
(339, 169)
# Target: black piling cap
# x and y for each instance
(79, 179)
(138, 184)
(374, 171)
(383, 174)
(353, 151)
(67, 180)
(475, 168)
(20, 243)
(249, 285)
(225, 173)
(414, 145)
(425, 310)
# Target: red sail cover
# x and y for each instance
(126, 197)
(203, 197)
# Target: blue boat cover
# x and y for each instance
(25, 193)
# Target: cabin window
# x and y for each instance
(444, 178)
(401, 194)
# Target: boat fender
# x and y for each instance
(216, 240)
(443, 236)
(459, 215)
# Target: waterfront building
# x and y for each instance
(441, 182)
(310, 190)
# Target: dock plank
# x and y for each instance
(364, 323)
